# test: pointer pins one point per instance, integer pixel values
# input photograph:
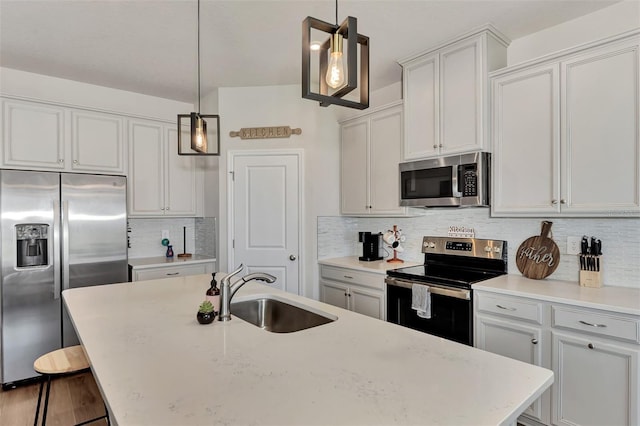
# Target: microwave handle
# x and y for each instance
(454, 181)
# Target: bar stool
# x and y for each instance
(60, 362)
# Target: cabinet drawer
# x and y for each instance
(601, 323)
(365, 279)
(523, 309)
(170, 272)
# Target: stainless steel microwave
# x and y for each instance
(454, 181)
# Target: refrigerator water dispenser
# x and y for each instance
(32, 245)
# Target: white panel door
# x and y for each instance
(354, 173)
(266, 216)
(461, 97)
(33, 135)
(421, 92)
(526, 142)
(600, 129)
(146, 169)
(180, 198)
(97, 142)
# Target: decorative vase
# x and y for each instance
(206, 317)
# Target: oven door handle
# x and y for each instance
(433, 288)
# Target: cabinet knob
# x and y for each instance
(435, 147)
(167, 208)
(441, 146)
(590, 345)
(292, 257)
(554, 201)
(61, 160)
(75, 161)
(161, 208)
(563, 201)
(534, 341)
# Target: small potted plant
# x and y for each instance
(206, 314)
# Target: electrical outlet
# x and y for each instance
(573, 245)
(165, 234)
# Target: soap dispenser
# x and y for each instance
(213, 293)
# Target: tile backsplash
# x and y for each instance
(338, 236)
(146, 236)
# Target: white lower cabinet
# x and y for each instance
(596, 381)
(594, 355)
(357, 291)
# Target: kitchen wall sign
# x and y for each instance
(265, 132)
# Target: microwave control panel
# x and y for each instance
(469, 180)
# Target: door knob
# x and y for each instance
(292, 257)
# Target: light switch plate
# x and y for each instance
(573, 245)
(165, 234)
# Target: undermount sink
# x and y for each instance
(277, 316)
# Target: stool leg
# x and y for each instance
(106, 414)
(46, 401)
(35, 422)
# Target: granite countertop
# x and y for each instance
(160, 261)
(155, 365)
(619, 299)
(377, 266)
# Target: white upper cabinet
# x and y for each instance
(40, 136)
(161, 183)
(445, 95)
(370, 154)
(566, 136)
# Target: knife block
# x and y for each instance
(591, 278)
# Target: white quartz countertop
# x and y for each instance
(377, 266)
(155, 365)
(619, 299)
(160, 261)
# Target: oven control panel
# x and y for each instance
(472, 247)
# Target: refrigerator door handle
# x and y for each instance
(65, 245)
(56, 250)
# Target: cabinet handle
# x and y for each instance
(592, 325)
(347, 276)
(590, 345)
(173, 273)
(534, 341)
(505, 308)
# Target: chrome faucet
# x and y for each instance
(228, 290)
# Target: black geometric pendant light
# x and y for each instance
(334, 80)
(204, 138)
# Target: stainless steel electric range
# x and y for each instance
(451, 266)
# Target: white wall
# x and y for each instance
(616, 19)
(284, 106)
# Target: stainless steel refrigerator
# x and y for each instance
(59, 231)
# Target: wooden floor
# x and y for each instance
(73, 399)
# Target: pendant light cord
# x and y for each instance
(199, 56)
(336, 12)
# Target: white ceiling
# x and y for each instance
(149, 46)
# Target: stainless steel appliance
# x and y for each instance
(451, 266)
(58, 231)
(370, 246)
(456, 181)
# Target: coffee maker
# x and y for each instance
(370, 244)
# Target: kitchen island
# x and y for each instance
(155, 365)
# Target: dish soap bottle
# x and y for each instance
(213, 293)
(169, 250)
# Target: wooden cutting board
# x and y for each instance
(538, 256)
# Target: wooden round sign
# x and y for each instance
(538, 257)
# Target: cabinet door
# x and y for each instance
(526, 166)
(461, 94)
(385, 146)
(353, 179)
(367, 302)
(595, 383)
(180, 198)
(421, 115)
(97, 143)
(334, 294)
(515, 341)
(600, 94)
(33, 135)
(146, 168)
